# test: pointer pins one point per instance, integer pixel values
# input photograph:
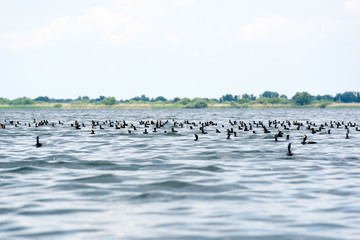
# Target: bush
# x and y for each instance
(263, 100)
(198, 103)
(284, 101)
(244, 100)
(212, 101)
(81, 102)
(160, 102)
(245, 105)
(22, 101)
(58, 105)
(109, 101)
(5, 101)
(184, 101)
(234, 105)
(324, 104)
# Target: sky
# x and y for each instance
(178, 48)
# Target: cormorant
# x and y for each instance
(289, 153)
(38, 144)
(304, 141)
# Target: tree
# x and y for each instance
(160, 98)
(326, 97)
(269, 94)
(141, 98)
(176, 100)
(283, 96)
(302, 98)
(228, 98)
(348, 97)
(5, 101)
(99, 99)
(42, 99)
(247, 96)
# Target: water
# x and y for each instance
(116, 185)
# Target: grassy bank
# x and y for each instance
(173, 106)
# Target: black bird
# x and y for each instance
(92, 132)
(266, 131)
(203, 131)
(289, 153)
(38, 144)
(196, 137)
(145, 132)
(347, 136)
(305, 142)
(276, 137)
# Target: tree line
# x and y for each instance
(268, 97)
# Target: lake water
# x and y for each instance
(164, 185)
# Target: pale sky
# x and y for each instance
(178, 48)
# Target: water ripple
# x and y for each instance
(119, 185)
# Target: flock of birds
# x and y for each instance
(232, 129)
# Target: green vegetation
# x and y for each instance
(268, 99)
(197, 103)
(22, 101)
(324, 104)
(109, 101)
(302, 98)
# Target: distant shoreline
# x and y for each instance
(172, 106)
